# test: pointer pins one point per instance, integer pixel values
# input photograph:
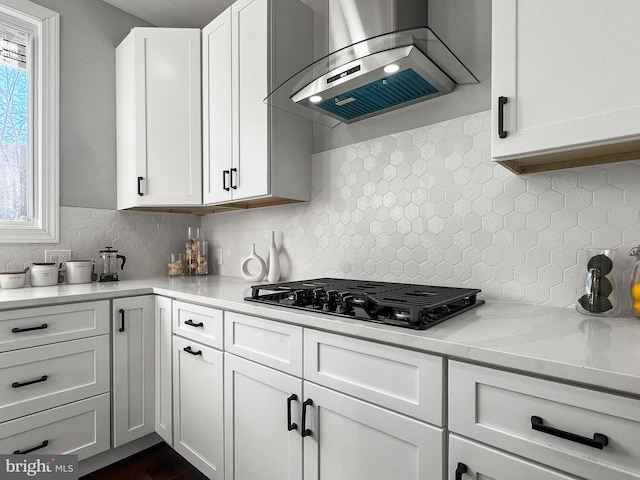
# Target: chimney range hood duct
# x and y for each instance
(383, 57)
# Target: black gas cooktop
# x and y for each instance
(405, 305)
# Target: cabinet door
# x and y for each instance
(259, 443)
(250, 75)
(197, 406)
(163, 354)
(133, 368)
(353, 440)
(159, 118)
(216, 100)
(469, 460)
(565, 71)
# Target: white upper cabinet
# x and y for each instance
(158, 108)
(569, 73)
(253, 151)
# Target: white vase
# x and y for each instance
(262, 267)
(273, 272)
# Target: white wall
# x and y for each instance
(89, 32)
(428, 206)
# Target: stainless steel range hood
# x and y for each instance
(383, 57)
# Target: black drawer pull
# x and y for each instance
(121, 311)
(461, 470)
(502, 101)
(188, 350)
(225, 175)
(139, 187)
(30, 329)
(233, 183)
(598, 441)
(291, 426)
(24, 384)
(32, 449)
(305, 431)
(190, 323)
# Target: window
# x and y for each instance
(28, 123)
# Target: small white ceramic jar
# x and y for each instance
(44, 274)
(13, 279)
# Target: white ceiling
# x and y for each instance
(173, 13)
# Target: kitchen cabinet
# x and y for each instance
(133, 368)
(586, 433)
(158, 109)
(55, 377)
(293, 417)
(254, 153)
(349, 439)
(198, 406)
(262, 412)
(163, 369)
(198, 394)
(571, 92)
(469, 459)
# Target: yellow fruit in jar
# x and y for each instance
(635, 291)
(636, 307)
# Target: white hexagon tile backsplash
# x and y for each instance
(146, 239)
(429, 206)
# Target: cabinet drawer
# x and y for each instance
(202, 324)
(81, 428)
(485, 462)
(497, 408)
(38, 378)
(274, 344)
(43, 325)
(402, 380)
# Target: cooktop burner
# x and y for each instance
(405, 305)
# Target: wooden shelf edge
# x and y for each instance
(221, 208)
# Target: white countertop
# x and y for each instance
(547, 341)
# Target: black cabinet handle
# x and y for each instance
(188, 350)
(291, 426)
(461, 470)
(192, 324)
(598, 441)
(20, 330)
(43, 378)
(305, 431)
(121, 329)
(502, 133)
(234, 185)
(32, 449)
(225, 175)
(139, 187)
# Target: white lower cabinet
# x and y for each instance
(349, 439)
(470, 460)
(133, 368)
(281, 426)
(262, 422)
(587, 433)
(163, 369)
(198, 419)
(80, 428)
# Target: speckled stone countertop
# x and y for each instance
(546, 341)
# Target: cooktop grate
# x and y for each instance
(406, 305)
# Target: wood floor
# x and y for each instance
(159, 462)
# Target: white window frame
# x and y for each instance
(44, 26)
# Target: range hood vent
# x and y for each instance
(367, 74)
